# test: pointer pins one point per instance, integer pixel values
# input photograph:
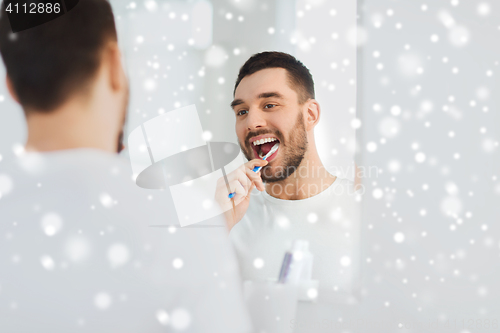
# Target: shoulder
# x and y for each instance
(345, 187)
(344, 183)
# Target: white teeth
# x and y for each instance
(262, 141)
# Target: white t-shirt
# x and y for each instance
(83, 249)
(328, 220)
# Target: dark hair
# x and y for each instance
(300, 78)
(48, 63)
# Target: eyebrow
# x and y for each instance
(239, 101)
(236, 102)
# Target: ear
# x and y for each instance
(10, 88)
(112, 58)
(313, 112)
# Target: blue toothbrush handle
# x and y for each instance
(256, 169)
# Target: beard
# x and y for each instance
(119, 145)
(292, 152)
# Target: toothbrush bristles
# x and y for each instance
(272, 151)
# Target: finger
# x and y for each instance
(240, 191)
(247, 177)
(251, 189)
(223, 188)
(238, 174)
(256, 179)
(255, 162)
(244, 180)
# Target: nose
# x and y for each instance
(255, 119)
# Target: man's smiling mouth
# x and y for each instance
(262, 146)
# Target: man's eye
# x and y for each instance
(240, 112)
(269, 106)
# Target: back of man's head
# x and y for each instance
(49, 63)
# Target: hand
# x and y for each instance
(242, 181)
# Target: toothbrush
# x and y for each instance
(257, 168)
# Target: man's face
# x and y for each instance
(266, 107)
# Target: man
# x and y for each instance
(274, 102)
(77, 249)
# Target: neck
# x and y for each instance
(310, 179)
(71, 126)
